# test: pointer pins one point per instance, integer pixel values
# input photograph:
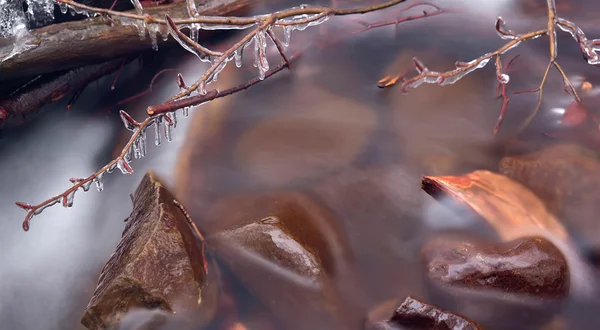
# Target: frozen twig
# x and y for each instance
(163, 116)
(589, 49)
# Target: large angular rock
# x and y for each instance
(158, 264)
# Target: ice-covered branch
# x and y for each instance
(589, 49)
(164, 116)
(93, 40)
(295, 18)
(164, 120)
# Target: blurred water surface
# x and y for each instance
(326, 128)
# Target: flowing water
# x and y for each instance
(325, 128)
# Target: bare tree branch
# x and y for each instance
(94, 40)
(588, 48)
(163, 116)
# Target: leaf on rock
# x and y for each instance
(507, 206)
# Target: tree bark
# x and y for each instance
(72, 44)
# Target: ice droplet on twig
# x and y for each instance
(128, 121)
(124, 166)
(202, 87)
(41, 209)
(98, 182)
(68, 200)
(86, 186)
(503, 78)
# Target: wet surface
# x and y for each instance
(325, 135)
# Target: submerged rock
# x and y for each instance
(158, 264)
(530, 266)
(507, 285)
(290, 253)
(416, 315)
(567, 179)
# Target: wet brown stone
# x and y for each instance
(531, 266)
(567, 178)
(290, 253)
(521, 283)
(413, 314)
(158, 264)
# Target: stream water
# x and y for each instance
(338, 135)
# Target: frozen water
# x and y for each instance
(39, 12)
(12, 18)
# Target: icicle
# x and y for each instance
(238, 57)
(260, 54)
(287, 35)
(63, 7)
(194, 32)
(138, 6)
(186, 111)
(136, 149)
(164, 31)
(143, 147)
(128, 155)
(168, 135)
(139, 25)
(152, 31)
(173, 118)
(191, 8)
(158, 122)
(218, 69)
(68, 200)
(202, 56)
(98, 182)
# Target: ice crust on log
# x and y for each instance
(158, 264)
